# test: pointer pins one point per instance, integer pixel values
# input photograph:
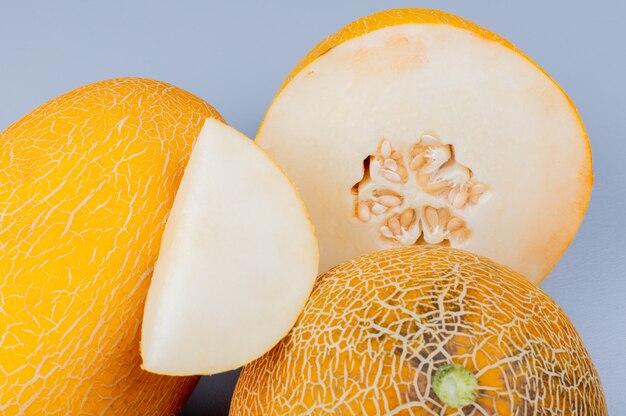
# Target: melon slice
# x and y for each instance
(414, 126)
(237, 261)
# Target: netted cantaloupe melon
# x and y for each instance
(86, 184)
(425, 331)
(414, 126)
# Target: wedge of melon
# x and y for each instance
(414, 126)
(237, 262)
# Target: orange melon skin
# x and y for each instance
(86, 184)
(377, 328)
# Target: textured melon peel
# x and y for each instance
(237, 262)
(504, 135)
(86, 183)
(425, 330)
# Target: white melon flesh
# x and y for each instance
(499, 146)
(237, 261)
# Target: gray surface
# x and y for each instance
(236, 53)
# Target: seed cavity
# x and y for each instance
(439, 173)
(418, 194)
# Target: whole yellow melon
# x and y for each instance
(86, 184)
(425, 331)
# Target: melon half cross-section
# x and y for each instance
(237, 262)
(414, 126)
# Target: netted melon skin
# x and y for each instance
(86, 184)
(376, 329)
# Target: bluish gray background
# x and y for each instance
(235, 54)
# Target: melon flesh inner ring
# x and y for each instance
(494, 116)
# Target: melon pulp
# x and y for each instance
(414, 126)
(237, 262)
(425, 331)
(86, 183)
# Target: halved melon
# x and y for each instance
(424, 331)
(412, 126)
(237, 262)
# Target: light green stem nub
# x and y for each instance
(455, 385)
